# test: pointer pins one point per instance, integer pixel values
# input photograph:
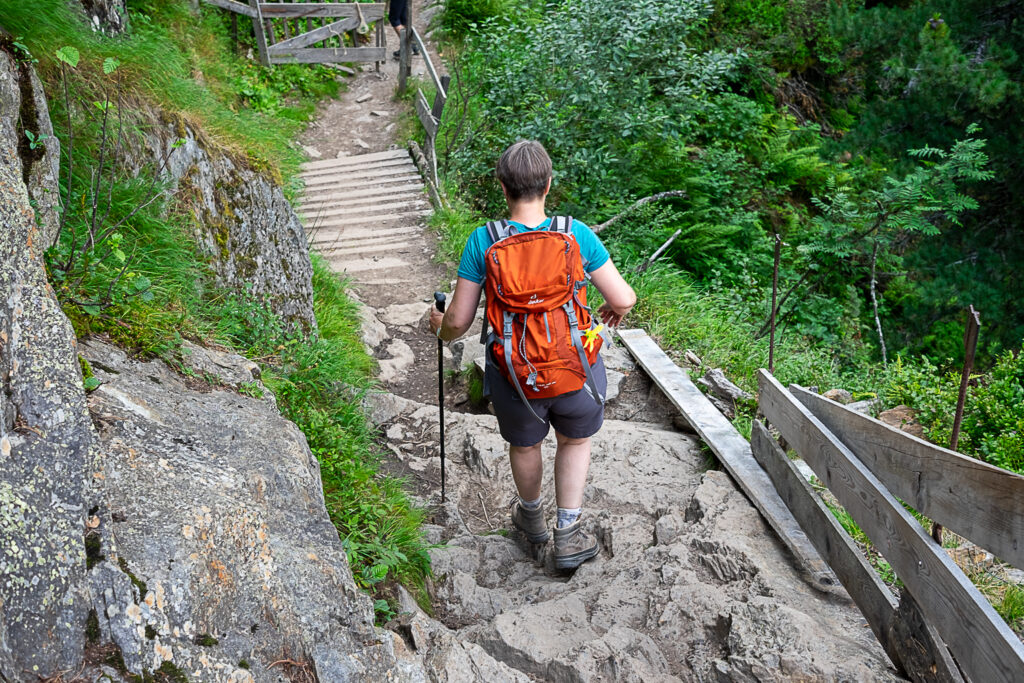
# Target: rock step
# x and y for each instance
(407, 191)
(356, 159)
(376, 181)
(369, 172)
(366, 207)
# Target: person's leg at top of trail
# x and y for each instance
(398, 17)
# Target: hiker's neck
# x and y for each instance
(529, 212)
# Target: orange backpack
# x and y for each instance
(536, 307)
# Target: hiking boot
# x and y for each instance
(530, 522)
(573, 546)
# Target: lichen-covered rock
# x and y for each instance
(25, 127)
(107, 16)
(214, 509)
(241, 220)
(45, 437)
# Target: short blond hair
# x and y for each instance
(524, 169)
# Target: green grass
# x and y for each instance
(184, 67)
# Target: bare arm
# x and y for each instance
(619, 297)
(461, 310)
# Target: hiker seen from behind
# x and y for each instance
(543, 364)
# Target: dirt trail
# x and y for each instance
(690, 583)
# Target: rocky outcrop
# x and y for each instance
(45, 431)
(214, 543)
(107, 16)
(25, 126)
(690, 583)
(242, 222)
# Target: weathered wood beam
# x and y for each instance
(984, 646)
(423, 112)
(731, 449)
(324, 55)
(304, 10)
(908, 641)
(318, 34)
(429, 64)
(976, 500)
(233, 6)
(257, 30)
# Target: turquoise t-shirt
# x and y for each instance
(472, 266)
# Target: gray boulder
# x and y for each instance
(45, 431)
(214, 510)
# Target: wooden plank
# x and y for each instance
(732, 450)
(257, 30)
(324, 55)
(378, 181)
(423, 112)
(233, 6)
(318, 34)
(363, 265)
(976, 500)
(387, 165)
(328, 236)
(984, 646)
(305, 10)
(900, 630)
(410, 219)
(872, 596)
(441, 89)
(368, 173)
(368, 209)
(341, 162)
(352, 194)
(440, 98)
(342, 249)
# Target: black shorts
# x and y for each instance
(398, 13)
(575, 415)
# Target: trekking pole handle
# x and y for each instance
(439, 301)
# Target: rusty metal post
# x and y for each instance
(970, 347)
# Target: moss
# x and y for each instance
(243, 664)
(141, 585)
(167, 673)
(92, 628)
(206, 640)
(93, 550)
(151, 633)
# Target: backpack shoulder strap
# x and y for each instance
(498, 230)
(561, 224)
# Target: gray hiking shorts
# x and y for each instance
(575, 415)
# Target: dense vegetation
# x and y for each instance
(877, 141)
(133, 273)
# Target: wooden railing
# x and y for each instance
(429, 114)
(871, 469)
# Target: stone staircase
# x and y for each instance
(364, 214)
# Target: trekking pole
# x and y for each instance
(439, 301)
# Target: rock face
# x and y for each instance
(26, 117)
(242, 221)
(45, 436)
(690, 585)
(107, 16)
(215, 546)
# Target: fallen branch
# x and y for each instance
(661, 250)
(636, 205)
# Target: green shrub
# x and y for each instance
(461, 16)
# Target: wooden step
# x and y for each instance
(311, 194)
(410, 218)
(364, 265)
(330, 236)
(364, 207)
(391, 247)
(367, 174)
(358, 168)
(356, 159)
(413, 190)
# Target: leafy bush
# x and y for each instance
(461, 16)
(993, 425)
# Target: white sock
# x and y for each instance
(567, 516)
(530, 504)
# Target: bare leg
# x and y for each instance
(572, 461)
(527, 470)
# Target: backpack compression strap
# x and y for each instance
(577, 341)
(507, 342)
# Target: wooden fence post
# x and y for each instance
(257, 29)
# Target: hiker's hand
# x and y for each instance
(608, 315)
(436, 317)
